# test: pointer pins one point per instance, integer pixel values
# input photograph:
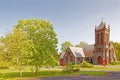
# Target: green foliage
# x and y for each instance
(4, 65)
(69, 67)
(16, 48)
(65, 45)
(81, 44)
(85, 64)
(72, 68)
(115, 63)
(117, 50)
(44, 42)
(77, 67)
(31, 42)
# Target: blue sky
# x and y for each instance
(73, 20)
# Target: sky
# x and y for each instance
(73, 20)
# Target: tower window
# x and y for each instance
(97, 38)
(101, 38)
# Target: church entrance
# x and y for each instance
(100, 60)
(62, 62)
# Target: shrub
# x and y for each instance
(115, 63)
(3, 66)
(76, 67)
(69, 67)
(85, 64)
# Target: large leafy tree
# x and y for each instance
(44, 42)
(117, 49)
(65, 45)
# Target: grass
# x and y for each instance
(94, 73)
(13, 74)
(102, 68)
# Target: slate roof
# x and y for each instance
(88, 50)
(77, 52)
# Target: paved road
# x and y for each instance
(112, 76)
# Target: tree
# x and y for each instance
(117, 49)
(44, 42)
(65, 45)
(17, 47)
(81, 44)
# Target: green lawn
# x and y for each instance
(102, 68)
(13, 74)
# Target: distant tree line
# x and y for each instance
(66, 44)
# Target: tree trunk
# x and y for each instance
(19, 64)
(20, 73)
(36, 70)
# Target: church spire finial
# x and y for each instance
(102, 19)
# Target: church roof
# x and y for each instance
(62, 55)
(77, 52)
(101, 26)
(88, 50)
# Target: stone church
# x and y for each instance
(102, 52)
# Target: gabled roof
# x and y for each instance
(77, 52)
(62, 55)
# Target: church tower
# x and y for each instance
(101, 47)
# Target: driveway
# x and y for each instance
(111, 76)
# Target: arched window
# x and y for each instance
(68, 54)
(97, 38)
(71, 58)
(102, 38)
(66, 59)
(107, 38)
